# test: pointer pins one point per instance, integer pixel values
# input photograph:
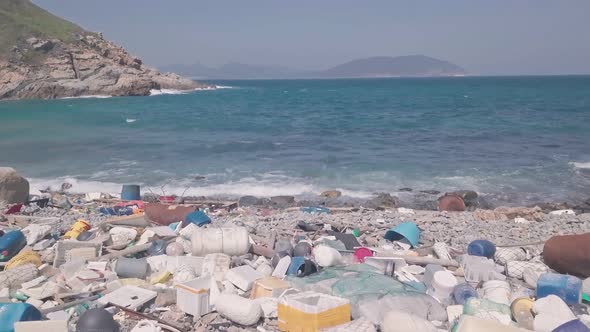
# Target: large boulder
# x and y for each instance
(282, 201)
(473, 200)
(13, 187)
(331, 194)
(383, 200)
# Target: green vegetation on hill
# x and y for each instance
(21, 19)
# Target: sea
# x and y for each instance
(519, 140)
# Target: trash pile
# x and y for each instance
(143, 266)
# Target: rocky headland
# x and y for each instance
(43, 56)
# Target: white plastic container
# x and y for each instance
(233, 241)
(326, 256)
(196, 297)
(399, 321)
(443, 283)
(497, 291)
(476, 324)
(551, 312)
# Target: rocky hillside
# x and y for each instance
(44, 56)
(400, 66)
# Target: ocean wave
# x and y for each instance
(581, 165)
(88, 97)
(156, 92)
(223, 87)
(159, 92)
(246, 186)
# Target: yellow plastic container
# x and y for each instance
(77, 228)
(269, 287)
(311, 311)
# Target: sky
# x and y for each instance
(499, 37)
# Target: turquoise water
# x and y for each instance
(521, 139)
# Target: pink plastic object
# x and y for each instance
(361, 253)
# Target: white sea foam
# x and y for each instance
(159, 92)
(243, 187)
(130, 120)
(581, 165)
(88, 97)
(223, 87)
(156, 92)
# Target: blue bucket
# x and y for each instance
(406, 230)
(130, 192)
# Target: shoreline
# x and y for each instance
(404, 197)
(281, 218)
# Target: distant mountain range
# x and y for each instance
(381, 66)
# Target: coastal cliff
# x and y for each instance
(44, 56)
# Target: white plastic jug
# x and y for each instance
(233, 241)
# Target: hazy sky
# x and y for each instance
(485, 37)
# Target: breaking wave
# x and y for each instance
(88, 97)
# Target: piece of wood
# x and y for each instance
(69, 304)
(23, 221)
(262, 251)
(150, 317)
(427, 260)
(124, 252)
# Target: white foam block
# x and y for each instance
(131, 297)
(243, 277)
(44, 325)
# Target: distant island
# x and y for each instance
(44, 56)
(374, 67)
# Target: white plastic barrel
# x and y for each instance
(233, 241)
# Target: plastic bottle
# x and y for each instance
(462, 292)
(521, 309)
(568, 288)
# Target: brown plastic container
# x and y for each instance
(569, 254)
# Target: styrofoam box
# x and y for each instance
(243, 277)
(196, 297)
